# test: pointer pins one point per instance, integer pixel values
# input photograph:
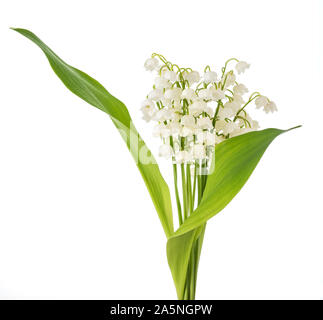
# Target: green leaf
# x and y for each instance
(233, 162)
(95, 94)
(179, 250)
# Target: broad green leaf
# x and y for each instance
(95, 94)
(233, 162)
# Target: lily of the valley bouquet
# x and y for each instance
(206, 132)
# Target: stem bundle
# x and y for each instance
(192, 187)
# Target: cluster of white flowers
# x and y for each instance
(193, 113)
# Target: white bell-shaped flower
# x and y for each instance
(226, 112)
(189, 94)
(241, 66)
(188, 121)
(233, 105)
(166, 102)
(186, 132)
(230, 79)
(226, 127)
(254, 124)
(199, 136)
(162, 83)
(192, 77)
(239, 131)
(270, 107)
(165, 151)
(230, 127)
(183, 156)
(210, 76)
(204, 94)
(151, 64)
(240, 89)
(164, 114)
(204, 123)
(175, 128)
(197, 107)
(199, 152)
(173, 93)
(155, 94)
(249, 124)
(148, 110)
(161, 130)
(238, 99)
(169, 75)
(261, 101)
(209, 111)
(219, 125)
(216, 94)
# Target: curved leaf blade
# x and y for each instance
(95, 94)
(233, 162)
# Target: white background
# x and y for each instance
(75, 218)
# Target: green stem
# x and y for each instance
(250, 99)
(189, 189)
(199, 183)
(204, 175)
(178, 201)
(194, 186)
(184, 191)
(188, 287)
(191, 276)
(193, 270)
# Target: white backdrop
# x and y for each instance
(76, 221)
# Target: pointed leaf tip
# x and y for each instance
(296, 127)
